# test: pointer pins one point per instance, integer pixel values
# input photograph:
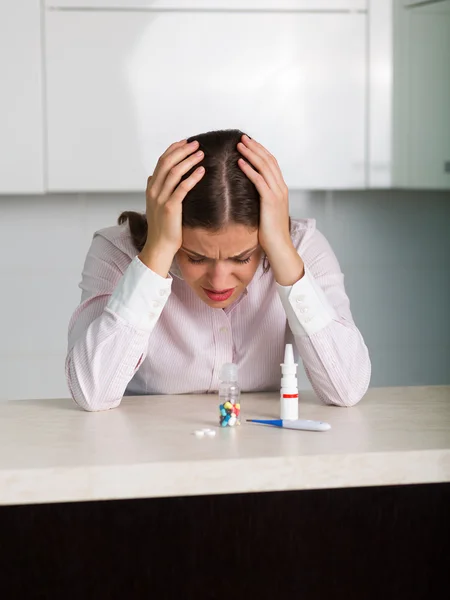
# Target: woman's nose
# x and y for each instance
(219, 276)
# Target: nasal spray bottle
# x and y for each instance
(289, 390)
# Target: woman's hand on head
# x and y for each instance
(274, 236)
(164, 198)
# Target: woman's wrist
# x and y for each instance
(158, 259)
(286, 264)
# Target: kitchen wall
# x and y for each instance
(393, 246)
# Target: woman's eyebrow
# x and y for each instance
(232, 257)
(245, 252)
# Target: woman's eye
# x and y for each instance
(199, 261)
(244, 261)
(196, 261)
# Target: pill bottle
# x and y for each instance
(229, 395)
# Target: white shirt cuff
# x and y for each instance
(140, 296)
(307, 308)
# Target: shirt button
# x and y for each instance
(300, 298)
(152, 316)
(223, 329)
(304, 309)
(163, 292)
(156, 304)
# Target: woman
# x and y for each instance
(215, 272)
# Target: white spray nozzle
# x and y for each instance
(288, 355)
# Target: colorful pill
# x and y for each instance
(223, 412)
(238, 406)
(227, 405)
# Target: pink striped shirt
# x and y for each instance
(138, 333)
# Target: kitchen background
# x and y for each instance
(352, 96)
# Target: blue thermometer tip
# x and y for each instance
(274, 422)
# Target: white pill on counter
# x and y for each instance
(210, 433)
(206, 429)
(199, 433)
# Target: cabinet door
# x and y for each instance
(21, 116)
(429, 96)
(212, 4)
(415, 3)
(122, 86)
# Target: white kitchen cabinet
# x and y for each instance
(320, 5)
(21, 106)
(123, 85)
(415, 3)
(422, 96)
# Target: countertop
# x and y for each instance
(51, 451)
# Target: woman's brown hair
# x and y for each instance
(223, 195)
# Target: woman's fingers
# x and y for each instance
(264, 162)
(186, 186)
(175, 174)
(169, 150)
(172, 156)
(257, 179)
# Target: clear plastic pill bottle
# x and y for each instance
(229, 396)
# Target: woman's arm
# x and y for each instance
(334, 355)
(311, 288)
(109, 332)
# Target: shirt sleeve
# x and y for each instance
(140, 296)
(332, 349)
(307, 308)
(110, 330)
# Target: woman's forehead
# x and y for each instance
(229, 241)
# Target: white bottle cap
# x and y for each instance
(288, 355)
(288, 367)
(229, 372)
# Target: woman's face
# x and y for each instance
(218, 266)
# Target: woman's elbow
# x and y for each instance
(90, 400)
(353, 396)
(347, 399)
(94, 403)
(352, 390)
(87, 404)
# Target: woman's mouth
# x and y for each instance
(219, 295)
